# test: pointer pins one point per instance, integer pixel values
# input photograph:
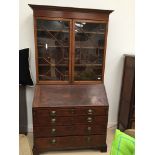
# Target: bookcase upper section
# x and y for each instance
(70, 44)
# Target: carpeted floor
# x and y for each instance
(24, 147)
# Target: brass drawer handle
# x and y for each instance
(53, 113)
(88, 139)
(73, 111)
(53, 130)
(89, 128)
(53, 120)
(90, 111)
(53, 141)
(89, 119)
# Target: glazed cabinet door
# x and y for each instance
(70, 51)
(89, 50)
(53, 50)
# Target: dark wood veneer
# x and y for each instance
(55, 8)
(71, 95)
(72, 113)
(86, 119)
(71, 15)
(69, 130)
(70, 142)
(126, 115)
(65, 120)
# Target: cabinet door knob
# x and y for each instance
(53, 141)
(53, 113)
(53, 120)
(90, 111)
(89, 119)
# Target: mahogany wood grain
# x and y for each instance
(127, 97)
(69, 130)
(70, 142)
(47, 7)
(36, 49)
(48, 121)
(71, 111)
(70, 51)
(69, 114)
(78, 103)
(71, 15)
(71, 95)
(90, 120)
(104, 52)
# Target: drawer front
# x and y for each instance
(50, 112)
(100, 120)
(70, 142)
(52, 121)
(53, 131)
(69, 130)
(92, 111)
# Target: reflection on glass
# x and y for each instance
(89, 47)
(53, 49)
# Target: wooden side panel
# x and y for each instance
(126, 92)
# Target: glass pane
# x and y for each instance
(89, 48)
(53, 49)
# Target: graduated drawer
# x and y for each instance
(52, 121)
(100, 120)
(63, 120)
(70, 142)
(69, 130)
(102, 110)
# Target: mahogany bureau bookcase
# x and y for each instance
(70, 106)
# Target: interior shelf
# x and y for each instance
(50, 46)
(89, 47)
(77, 47)
(53, 65)
(88, 65)
(65, 31)
(90, 32)
(77, 65)
(45, 77)
(60, 31)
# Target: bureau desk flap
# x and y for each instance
(47, 96)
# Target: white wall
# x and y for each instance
(120, 41)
